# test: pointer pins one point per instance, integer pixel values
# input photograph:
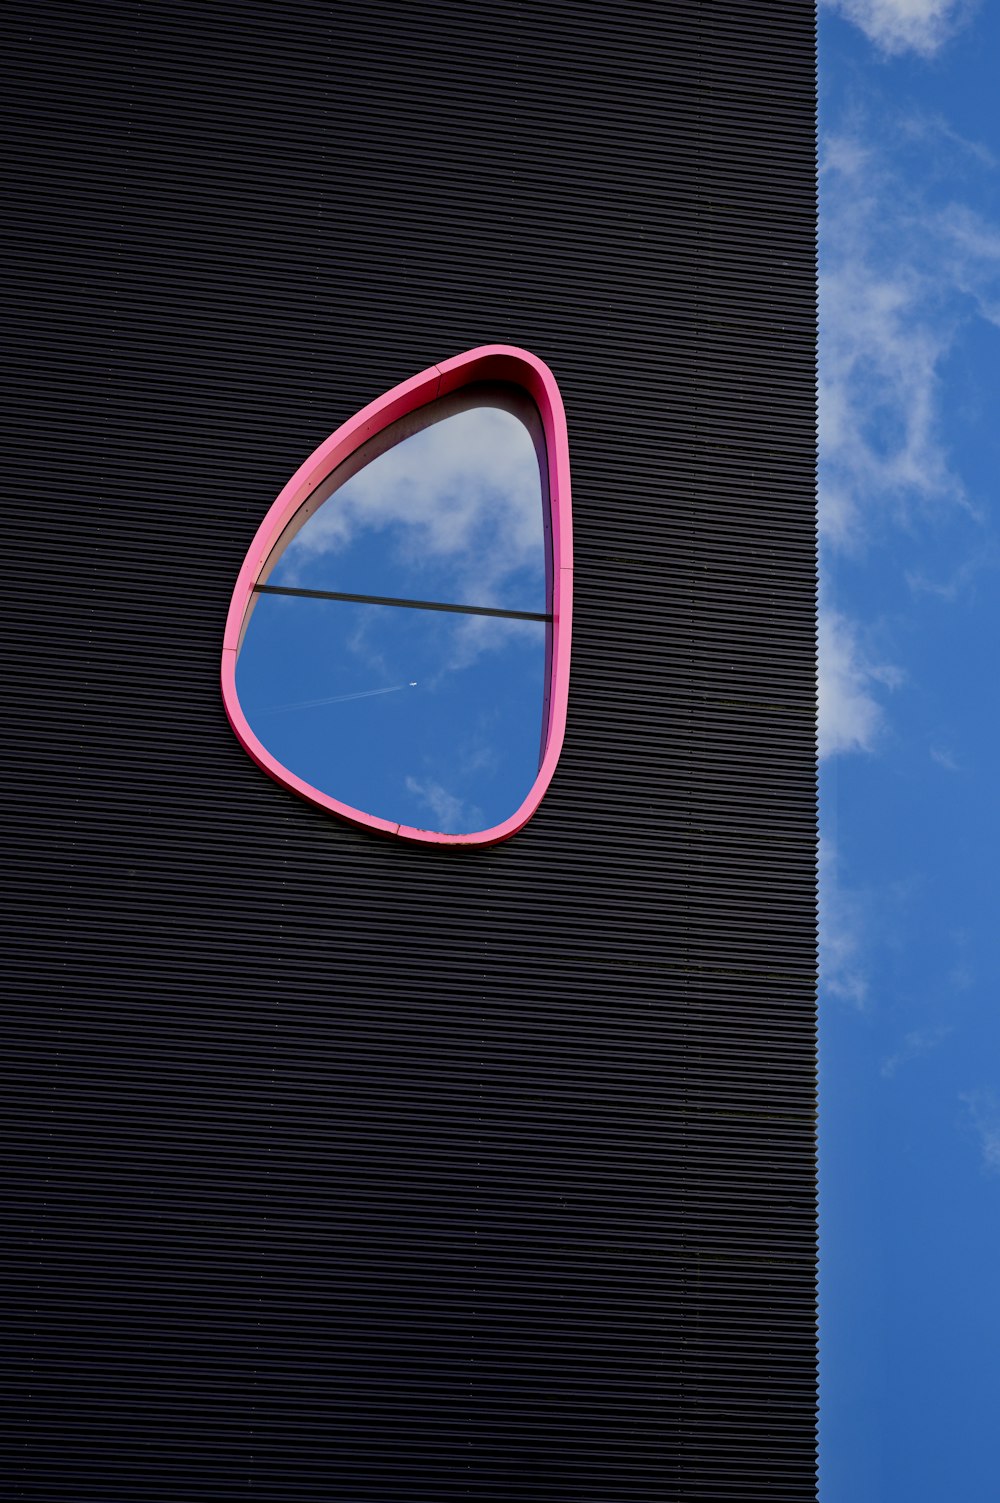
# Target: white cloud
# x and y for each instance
(897, 26)
(455, 506)
(851, 717)
(984, 1112)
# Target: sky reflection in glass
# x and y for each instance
(427, 718)
(452, 512)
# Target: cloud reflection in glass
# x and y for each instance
(395, 653)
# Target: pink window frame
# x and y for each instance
(494, 362)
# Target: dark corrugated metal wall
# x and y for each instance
(338, 1169)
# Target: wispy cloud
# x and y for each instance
(958, 583)
(885, 328)
(921, 1041)
(932, 130)
(851, 717)
(905, 266)
(945, 759)
(969, 253)
(983, 1108)
(962, 975)
(454, 508)
(842, 929)
(902, 273)
(471, 636)
(897, 26)
(450, 813)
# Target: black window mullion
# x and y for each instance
(414, 605)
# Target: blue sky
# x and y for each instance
(910, 625)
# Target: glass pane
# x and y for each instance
(445, 505)
(427, 718)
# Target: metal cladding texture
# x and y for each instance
(338, 1169)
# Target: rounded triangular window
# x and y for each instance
(397, 649)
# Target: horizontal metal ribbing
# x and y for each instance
(335, 1168)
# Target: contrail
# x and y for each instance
(336, 699)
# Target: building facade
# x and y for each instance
(339, 1168)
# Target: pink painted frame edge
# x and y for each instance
(486, 363)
